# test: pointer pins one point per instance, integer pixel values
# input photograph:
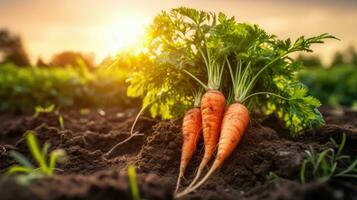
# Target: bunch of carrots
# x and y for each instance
(223, 122)
(239, 66)
(222, 126)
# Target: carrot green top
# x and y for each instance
(187, 48)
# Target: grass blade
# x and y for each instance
(322, 158)
(343, 157)
(54, 156)
(61, 122)
(45, 149)
(35, 150)
(342, 144)
(349, 168)
(302, 171)
(133, 183)
(19, 169)
(21, 159)
(349, 175)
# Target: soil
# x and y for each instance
(89, 174)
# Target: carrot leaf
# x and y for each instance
(187, 48)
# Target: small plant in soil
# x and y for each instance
(328, 164)
(41, 109)
(134, 188)
(50, 109)
(61, 122)
(46, 163)
(272, 177)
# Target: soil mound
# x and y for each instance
(265, 165)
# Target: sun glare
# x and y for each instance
(126, 32)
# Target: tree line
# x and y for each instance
(345, 57)
(12, 50)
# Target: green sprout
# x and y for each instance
(40, 109)
(328, 164)
(134, 188)
(272, 177)
(61, 122)
(46, 164)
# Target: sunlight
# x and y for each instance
(125, 32)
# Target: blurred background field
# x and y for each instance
(63, 59)
(336, 84)
(23, 87)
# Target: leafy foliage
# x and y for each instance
(328, 164)
(172, 43)
(179, 39)
(46, 164)
(23, 89)
(274, 78)
(333, 86)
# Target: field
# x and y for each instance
(265, 161)
(204, 87)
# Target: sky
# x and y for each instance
(104, 27)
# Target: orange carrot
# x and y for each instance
(234, 124)
(212, 107)
(191, 129)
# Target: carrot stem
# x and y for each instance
(268, 93)
(198, 80)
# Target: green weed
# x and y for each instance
(46, 163)
(272, 176)
(40, 109)
(134, 188)
(328, 164)
(61, 122)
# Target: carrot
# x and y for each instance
(212, 106)
(234, 124)
(191, 129)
